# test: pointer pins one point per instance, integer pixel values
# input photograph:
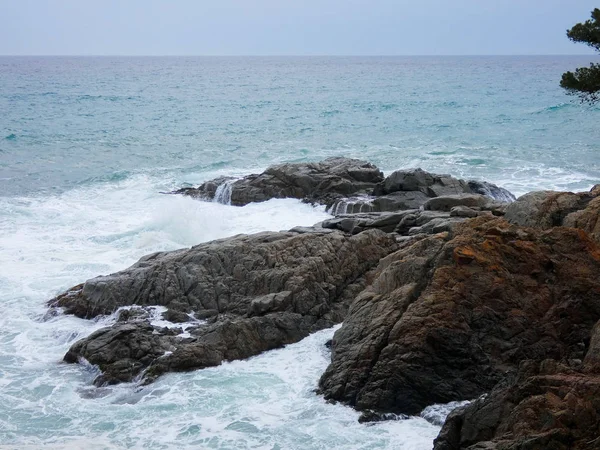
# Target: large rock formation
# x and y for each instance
(451, 315)
(260, 291)
(345, 185)
(441, 300)
(321, 182)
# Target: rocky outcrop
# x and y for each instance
(345, 185)
(442, 300)
(411, 222)
(138, 350)
(547, 405)
(432, 185)
(259, 292)
(321, 182)
(545, 209)
(450, 315)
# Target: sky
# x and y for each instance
(290, 27)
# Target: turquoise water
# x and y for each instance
(87, 144)
(68, 121)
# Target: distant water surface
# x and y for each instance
(68, 121)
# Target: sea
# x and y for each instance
(88, 145)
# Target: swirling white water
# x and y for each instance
(53, 242)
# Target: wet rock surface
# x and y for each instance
(546, 405)
(344, 185)
(260, 292)
(321, 182)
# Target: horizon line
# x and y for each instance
(291, 55)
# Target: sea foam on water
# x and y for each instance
(50, 243)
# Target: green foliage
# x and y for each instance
(585, 81)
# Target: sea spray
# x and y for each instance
(223, 192)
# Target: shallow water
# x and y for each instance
(88, 144)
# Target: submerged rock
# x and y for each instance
(449, 316)
(261, 291)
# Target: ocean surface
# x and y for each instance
(88, 144)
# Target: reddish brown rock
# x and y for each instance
(587, 219)
(450, 316)
(545, 209)
(546, 406)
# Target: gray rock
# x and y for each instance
(436, 225)
(463, 211)
(356, 223)
(317, 228)
(396, 201)
(432, 185)
(322, 182)
(529, 209)
(447, 202)
(346, 186)
(406, 223)
(545, 209)
(352, 205)
(400, 201)
(138, 350)
(448, 185)
(491, 190)
(121, 351)
(270, 288)
(407, 180)
(231, 339)
(208, 190)
(226, 274)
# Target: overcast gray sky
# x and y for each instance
(290, 27)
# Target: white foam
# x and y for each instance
(437, 414)
(51, 243)
(224, 191)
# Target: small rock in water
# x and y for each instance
(373, 416)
